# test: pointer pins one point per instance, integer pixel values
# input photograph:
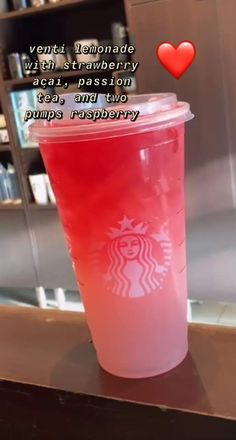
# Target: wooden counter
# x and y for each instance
(52, 387)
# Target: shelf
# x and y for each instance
(5, 147)
(50, 206)
(33, 10)
(10, 206)
(29, 150)
(18, 82)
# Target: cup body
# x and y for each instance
(121, 203)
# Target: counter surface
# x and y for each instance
(53, 349)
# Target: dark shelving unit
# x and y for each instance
(29, 150)
(10, 206)
(44, 9)
(44, 254)
(49, 206)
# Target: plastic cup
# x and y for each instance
(119, 187)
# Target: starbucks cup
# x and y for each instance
(119, 187)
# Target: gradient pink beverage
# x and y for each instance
(121, 203)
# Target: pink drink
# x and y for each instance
(121, 202)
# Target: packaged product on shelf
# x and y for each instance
(15, 65)
(14, 189)
(21, 101)
(119, 38)
(4, 185)
(27, 62)
(38, 2)
(3, 6)
(2, 121)
(21, 4)
(50, 190)
(39, 188)
(4, 138)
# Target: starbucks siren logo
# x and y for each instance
(133, 269)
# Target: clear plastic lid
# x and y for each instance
(149, 112)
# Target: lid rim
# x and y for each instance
(158, 109)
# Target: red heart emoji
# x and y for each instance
(176, 59)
